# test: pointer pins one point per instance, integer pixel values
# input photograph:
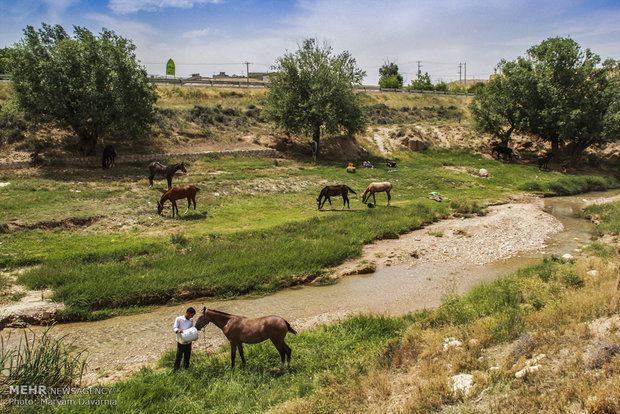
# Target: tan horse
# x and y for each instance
(240, 330)
(178, 193)
(377, 188)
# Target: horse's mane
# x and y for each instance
(220, 312)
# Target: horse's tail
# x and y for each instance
(350, 189)
(291, 330)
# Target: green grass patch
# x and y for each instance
(609, 215)
(256, 229)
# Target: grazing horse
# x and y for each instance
(377, 188)
(240, 330)
(167, 171)
(543, 161)
(178, 193)
(500, 149)
(108, 158)
(334, 190)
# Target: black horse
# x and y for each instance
(334, 190)
(543, 161)
(108, 158)
(167, 171)
(500, 149)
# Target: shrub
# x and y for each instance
(42, 361)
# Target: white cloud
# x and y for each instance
(56, 8)
(132, 6)
(194, 34)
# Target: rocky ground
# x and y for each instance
(507, 230)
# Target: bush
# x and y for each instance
(466, 206)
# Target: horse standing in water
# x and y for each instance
(167, 171)
(178, 193)
(334, 190)
(240, 330)
(108, 158)
(377, 188)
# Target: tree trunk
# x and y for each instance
(316, 136)
(555, 147)
(87, 143)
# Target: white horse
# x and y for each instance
(377, 188)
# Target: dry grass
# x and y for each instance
(574, 327)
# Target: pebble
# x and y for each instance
(567, 256)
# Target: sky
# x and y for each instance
(212, 36)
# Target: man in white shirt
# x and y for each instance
(184, 351)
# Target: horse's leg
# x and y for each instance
(189, 203)
(241, 353)
(374, 200)
(279, 346)
(151, 179)
(233, 351)
(169, 178)
(175, 207)
(288, 350)
(345, 200)
(194, 200)
(389, 197)
(330, 202)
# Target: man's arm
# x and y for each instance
(176, 327)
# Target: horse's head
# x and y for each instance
(160, 207)
(182, 167)
(202, 320)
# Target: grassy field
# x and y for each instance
(256, 229)
(379, 364)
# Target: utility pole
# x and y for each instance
(419, 68)
(460, 78)
(247, 71)
(465, 74)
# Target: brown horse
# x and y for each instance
(165, 171)
(377, 188)
(178, 193)
(240, 330)
(334, 190)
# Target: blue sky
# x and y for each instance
(209, 36)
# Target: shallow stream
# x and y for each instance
(116, 344)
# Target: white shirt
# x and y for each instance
(182, 323)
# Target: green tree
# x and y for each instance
(91, 84)
(498, 108)
(476, 87)
(575, 99)
(6, 54)
(390, 78)
(422, 83)
(313, 92)
(441, 86)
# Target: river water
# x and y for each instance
(120, 345)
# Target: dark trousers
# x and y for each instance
(184, 351)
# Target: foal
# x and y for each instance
(239, 330)
(334, 190)
(377, 188)
(165, 171)
(178, 193)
